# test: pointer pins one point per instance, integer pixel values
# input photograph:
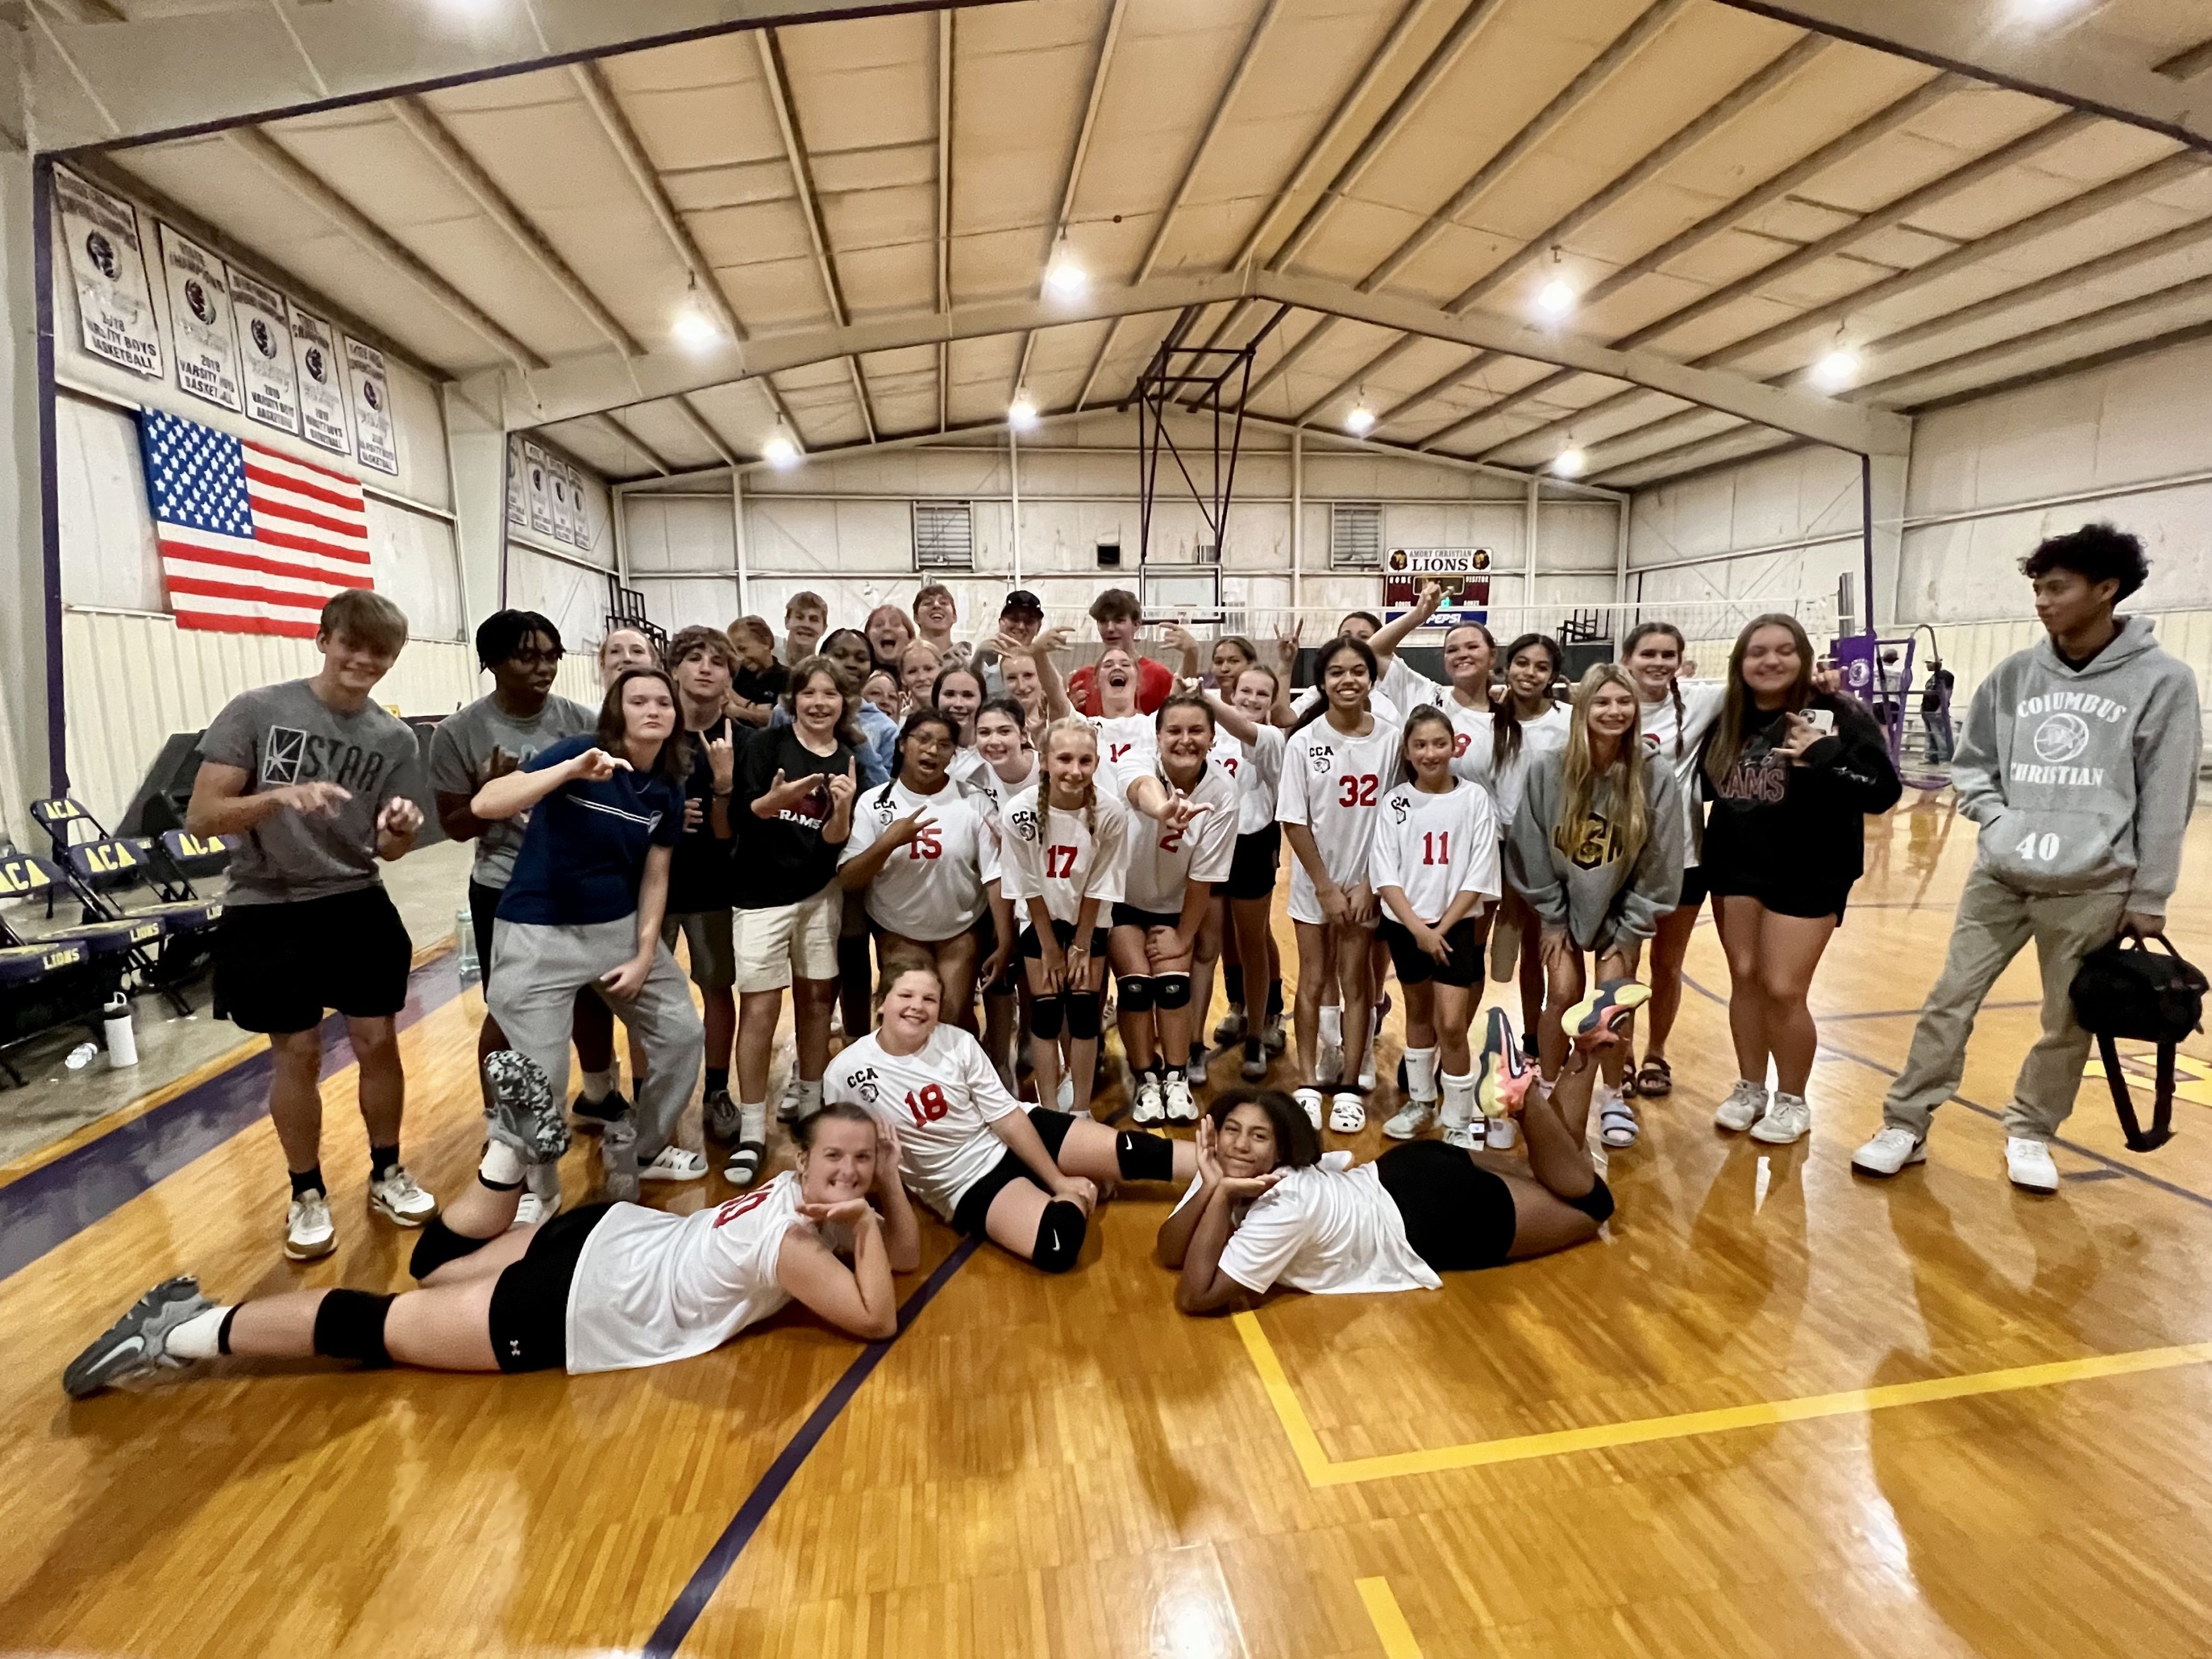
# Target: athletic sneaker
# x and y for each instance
(1347, 1113)
(522, 1112)
(1064, 1099)
(1255, 1060)
(1231, 1028)
(720, 1114)
(1181, 1109)
(1468, 1137)
(1409, 1119)
(1147, 1103)
(1196, 1069)
(137, 1343)
(1789, 1118)
(1329, 1064)
(308, 1234)
(1890, 1151)
(1605, 1007)
(1367, 1072)
(534, 1209)
(787, 1109)
(674, 1163)
(2028, 1165)
(1272, 1037)
(1745, 1105)
(1310, 1102)
(1504, 1071)
(597, 1115)
(400, 1201)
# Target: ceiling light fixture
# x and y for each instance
(1361, 421)
(1571, 461)
(778, 451)
(695, 330)
(1065, 278)
(1021, 414)
(1838, 368)
(1556, 297)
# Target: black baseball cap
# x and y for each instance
(1022, 602)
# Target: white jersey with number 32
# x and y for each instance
(1335, 784)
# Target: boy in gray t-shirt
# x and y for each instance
(320, 785)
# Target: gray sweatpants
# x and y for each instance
(537, 972)
(1994, 923)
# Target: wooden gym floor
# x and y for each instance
(1779, 1411)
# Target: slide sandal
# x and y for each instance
(1617, 1125)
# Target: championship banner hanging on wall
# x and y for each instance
(517, 514)
(266, 368)
(583, 537)
(199, 321)
(322, 389)
(107, 262)
(539, 490)
(1463, 572)
(557, 484)
(372, 408)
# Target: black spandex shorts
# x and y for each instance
(1458, 1215)
(1129, 915)
(1695, 890)
(1030, 945)
(975, 1206)
(1467, 938)
(1252, 872)
(278, 967)
(530, 1302)
(1785, 896)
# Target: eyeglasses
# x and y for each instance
(529, 659)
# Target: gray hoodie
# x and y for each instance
(2082, 783)
(1585, 887)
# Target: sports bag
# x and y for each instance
(2125, 989)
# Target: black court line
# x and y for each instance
(707, 1577)
(2113, 1165)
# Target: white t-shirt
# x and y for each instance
(1380, 703)
(968, 766)
(1473, 743)
(1077, 864)
(1701, 707)
(942, 1099)
(1125, 741)
(1259, 779)
(1334, 786)
(1545, 735)
(652, 1287)
(937, 884)
(995, 792)
(1330, 1230)
(1433, 846)
(1162, 861)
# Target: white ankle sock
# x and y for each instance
(1332, 1024)
(598, 1086)
(199, 1337)
(1421, 1073)
(500, 1166)
(1459, 1095)
(810, 1096)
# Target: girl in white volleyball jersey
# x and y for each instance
(958, 691)
(1183, 838)
(1434, 866)
(605, 1288)
(1364, 626)
(923, 851)
(1126, 736)
(1336, 773)
(1028, 1181)
(1063, 853)
(1010, 765)
(1244, 712)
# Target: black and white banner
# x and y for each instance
(540, 488)
(517, 510)
(199, 320)
(107, 261)
(322, 385)
(372, 408)
(266, 368)
(583, 536)
(564, 514)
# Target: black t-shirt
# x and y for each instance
(760, 684)
(699, 870)
(1798, 829)
(783, 860)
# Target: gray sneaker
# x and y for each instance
(522, 1113)
(137, 1343)
(618, 1162)
(721, 1114)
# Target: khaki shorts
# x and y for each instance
(787, 940)
(707, 934)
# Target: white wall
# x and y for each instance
(557, 579)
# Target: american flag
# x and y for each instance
(252, 542)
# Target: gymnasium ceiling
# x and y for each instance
(857, 215)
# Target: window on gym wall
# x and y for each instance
(944, 536)
(1355, 536)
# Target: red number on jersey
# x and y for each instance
(1435, 846)
(930, 1106)
(1171, 841)
(1459, 742)
(736, 1206)
(1059, 862)
(1229, 763)
(1356, 789)
(925, 843)
(1115, 751)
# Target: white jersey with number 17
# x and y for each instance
(1057, 857)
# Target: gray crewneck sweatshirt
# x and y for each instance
(1574, 877)
(2082, 781)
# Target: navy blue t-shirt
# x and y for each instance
(583, 857)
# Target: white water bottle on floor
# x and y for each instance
(122, 1031)
(465, 965)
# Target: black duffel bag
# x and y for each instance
(2125, 989)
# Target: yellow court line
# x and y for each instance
(1321, 1470)
(1390, 1626)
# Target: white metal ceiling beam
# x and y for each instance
(97, 82)
(945, 49)
(2080, 67)
(586, 385)
(629, 438)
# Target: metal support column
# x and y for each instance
(1297, 520)
(1529, 550)
(738, 549)
(1014, 489)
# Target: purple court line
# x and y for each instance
(52, 1204)
(707, 1577)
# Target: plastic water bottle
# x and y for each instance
(122, 1032)
(464, 958)
(1501, 1133)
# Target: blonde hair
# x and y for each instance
(1623, 780)
(1072, 723)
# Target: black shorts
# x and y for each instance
(1458, 1215)
(278, 967)
(530, 1300)
(1252, 872)
(1784, 895)
(1129, 915)
(1695, 890)
(1468, 937)
(975, 1206)
(483, 910)
(1030, 945)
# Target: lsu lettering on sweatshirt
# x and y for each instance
(2082, 780)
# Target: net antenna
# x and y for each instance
(1190, 375)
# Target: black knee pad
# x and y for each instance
(350, 1324)
(1059, 1237)
(1597, 1203)
(1134, 992)
(1143, 1157)
(1172, 990)
(1045, 1017)
(1082, 1015)
(438, 1245)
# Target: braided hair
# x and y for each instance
(1643, 631)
